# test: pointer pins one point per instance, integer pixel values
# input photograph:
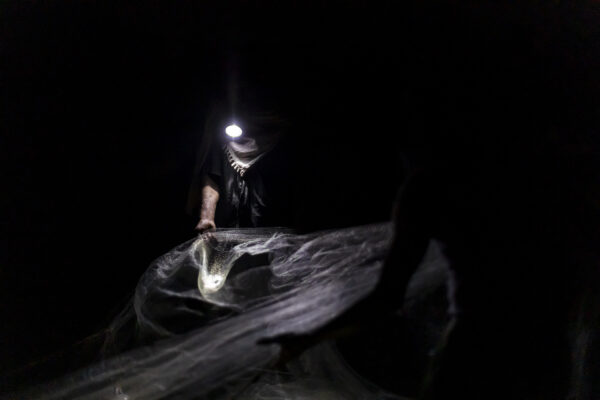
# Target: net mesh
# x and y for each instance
(192, 327)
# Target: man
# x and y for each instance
(503, 188)
(243, 182)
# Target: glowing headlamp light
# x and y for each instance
(233, 131)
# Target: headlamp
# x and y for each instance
(233, 131)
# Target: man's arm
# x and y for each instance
(414, 225)
(413, 218)
(210, 197)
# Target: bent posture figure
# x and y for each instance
(238, 185)
(508, 283)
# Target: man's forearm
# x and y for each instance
(210, 198)
(413, 224)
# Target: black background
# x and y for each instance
(104, 104)
(103, 108)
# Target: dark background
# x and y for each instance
(104, 105)
(103, 108)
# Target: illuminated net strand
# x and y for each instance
(311, 279)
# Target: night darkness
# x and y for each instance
(104, 105)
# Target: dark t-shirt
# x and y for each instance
(261, 197)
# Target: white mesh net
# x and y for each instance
(200, 310)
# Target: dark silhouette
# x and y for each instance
(498, 132)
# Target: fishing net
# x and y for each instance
(193, 326)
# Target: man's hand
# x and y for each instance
(205, 225)
(210, 197)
